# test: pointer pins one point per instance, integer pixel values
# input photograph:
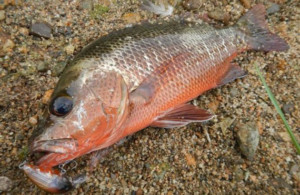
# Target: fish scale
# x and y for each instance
(137, 77)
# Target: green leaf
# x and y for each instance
(273, 100)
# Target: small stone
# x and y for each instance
(192, 4)
(8, 45)
(64, 30)
(285, 136)
(288, 108)
(225, 124)
(2, 15)
(33, 120)
(69, 49)
(220, 15)
(246, 3)
(213, 106)
(24, 31)
(86, 4)
(131, 17)
(234, 91)
(280, 183)
(273, 9)
(42, 67)
(139, 192)
(5, 184)
(8, 160)
(14, 151)
(248, 139)
(190, 160)
(41, 29)
(238, 174)
(47, 96)
(295, 169)
(170, 193)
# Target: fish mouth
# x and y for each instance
(42, 148)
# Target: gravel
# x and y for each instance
(41, 30)
(203, 158)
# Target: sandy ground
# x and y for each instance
(199, 158)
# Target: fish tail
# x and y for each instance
(259, 37)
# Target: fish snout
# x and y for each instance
(42, 149)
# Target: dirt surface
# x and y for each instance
(200, 158)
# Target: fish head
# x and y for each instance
(81, 116)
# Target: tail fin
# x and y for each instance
(254, 25)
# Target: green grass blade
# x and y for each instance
(273, 100)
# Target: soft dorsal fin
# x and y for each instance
(181, 116)
(233, 72)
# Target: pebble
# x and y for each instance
(69, 49)
(4, 3)
(139, 192)
(41, 29)
(24, 31)
(5, 184)
(42, 67)
(248, 139)
(131, 17)
(234, 91)
(33, 120)
(273, 9)
(192, 4)
(285, 136)
(295, 169)
(246, 3)
(220, 15)
(288, 108)
(238, 174)
(2, 15)
(225, 124)
(86, 4)
(190, 160)
(47, 96)
(8, 160)
(8, 45)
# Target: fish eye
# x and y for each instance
(61, 105)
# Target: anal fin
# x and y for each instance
(181, 116)
(233, 72)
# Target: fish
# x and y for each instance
(136, 77)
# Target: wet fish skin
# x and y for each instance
(143, 76)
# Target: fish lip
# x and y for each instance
(61, 146)
(42, 148)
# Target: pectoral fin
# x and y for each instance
(181, 116)
(143, 93)
(234, 72)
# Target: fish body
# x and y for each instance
(142, 76)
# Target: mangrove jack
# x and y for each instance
(137, 77)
